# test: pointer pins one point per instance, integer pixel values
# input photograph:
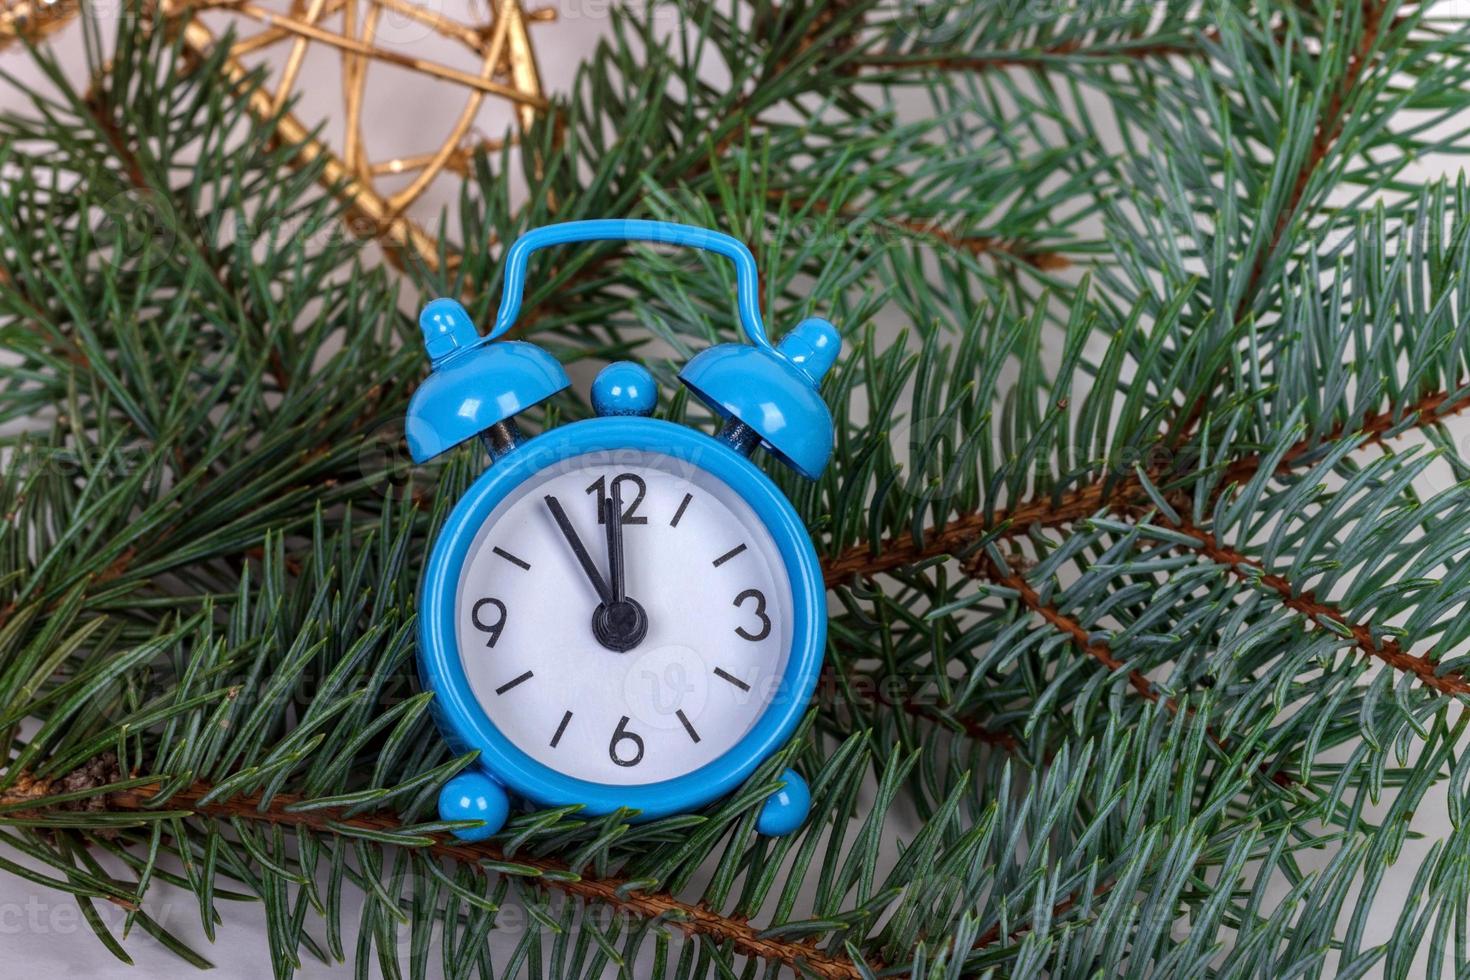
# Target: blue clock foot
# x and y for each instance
(785, 812)
(474, 796)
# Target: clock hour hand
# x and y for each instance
(578, 549)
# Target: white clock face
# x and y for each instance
(682, 664)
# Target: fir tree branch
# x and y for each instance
(994, 935)
(986, 566)
(1375, 430)
(693, 920)
(960, 533)
(976, 245)
(1043, 259)
(972, 728)
(132, 165)
(1325, 614)
(1329, 129)
(1070, 51)
(1054, 510)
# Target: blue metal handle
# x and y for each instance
(747, 283)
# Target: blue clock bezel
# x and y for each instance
(464, 722)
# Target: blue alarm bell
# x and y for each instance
(476, 386)
(773, 393)
(623, 612)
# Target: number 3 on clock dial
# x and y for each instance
(698, 563)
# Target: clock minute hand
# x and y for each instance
(614, 520)
(578, 549)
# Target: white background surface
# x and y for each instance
(42, 933)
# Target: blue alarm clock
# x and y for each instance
(621, 611)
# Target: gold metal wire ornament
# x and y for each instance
(500, 50)
(33, 20)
